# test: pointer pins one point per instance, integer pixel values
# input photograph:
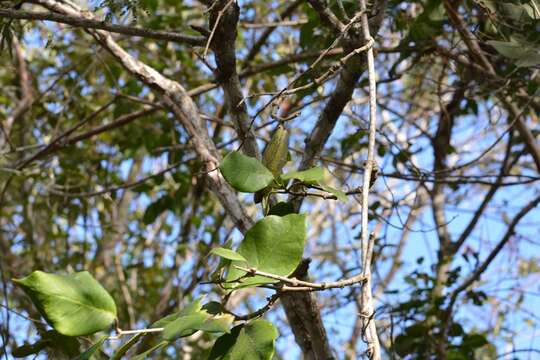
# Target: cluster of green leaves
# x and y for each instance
(513, 29)
(247, 174)
(77, 305)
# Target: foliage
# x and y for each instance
(127, 220)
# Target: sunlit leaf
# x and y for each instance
(313, 175)
(244, 173)
(274, 244)
(227, 254)
(74, 304)
(254, 341)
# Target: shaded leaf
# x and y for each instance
(282, 208)
(89, 353)
(29, 349)
(122, 350)
(144, 355)
(524, 55)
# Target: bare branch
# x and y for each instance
(224, 21)
(327, 16)
(88, 23)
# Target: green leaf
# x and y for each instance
(192, 319)
(525, 55)
(337, 193)
(282, 208)
(217, 323)
(156, 208)
(274, 244)
(313, 175)
(254, 341)
(144, 355)
(227, 254)
(67, 345)
(244, 173)
(275, 153)
(184, 326)
(122, 350)
(74, 304)
(474, 341)
(89, 353)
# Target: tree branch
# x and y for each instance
(224, 20)
(326, 15)
(88, 23)
(476, 51)
(475, 276)
(312, 338)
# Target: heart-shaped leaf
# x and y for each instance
(254, 341)
(74, 304)
(274, 244)
(244, 173)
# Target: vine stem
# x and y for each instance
(367, 308)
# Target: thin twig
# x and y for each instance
(98, 24)
(214, 28)
(301, 285)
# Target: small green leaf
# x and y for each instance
(274, 244)
(227, 254)
(275, 153)
(281, 209)
(144, 355)
(156, 208)
(244, 173)
(217, 323)
(184, 326)
(122, 350)
(313, 175)
(74, 304)
(89, 353)
(192, 319)
(254, 341)
(337, 193)
(213, 307)
(474, 341)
